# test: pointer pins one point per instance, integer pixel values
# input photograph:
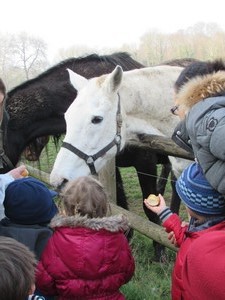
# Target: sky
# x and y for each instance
(104, 23)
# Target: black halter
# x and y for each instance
(4, 160)
(90, 159)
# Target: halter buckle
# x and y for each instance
(118, 139)
(90, 160)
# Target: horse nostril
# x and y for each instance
(64, 181)
(61, 186)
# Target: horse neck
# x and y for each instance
(146, 102)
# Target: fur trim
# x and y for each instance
(112, 223)
(200, 88)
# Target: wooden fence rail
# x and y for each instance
(144, 226)
(160, 144)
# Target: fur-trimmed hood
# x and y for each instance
(199, 88)
(111, 223)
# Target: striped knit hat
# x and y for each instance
(197, 194)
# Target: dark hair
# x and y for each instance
(17, 265)
(85, 196)
(199, 68)
(2, 87)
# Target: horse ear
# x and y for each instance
(77, 80)
(113, 80)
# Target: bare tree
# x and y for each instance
(30, 54)
(73, 51)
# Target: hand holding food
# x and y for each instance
(25, 173)
(155, 203)
(153, 200)
(19, 172)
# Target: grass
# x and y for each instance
(151, 280)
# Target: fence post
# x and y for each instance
(107, 177)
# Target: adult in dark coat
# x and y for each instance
(200, 102)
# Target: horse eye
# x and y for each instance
(97, 119)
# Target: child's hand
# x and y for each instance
(172, 238)
(171, 235)
(19, 172)
(159, 208)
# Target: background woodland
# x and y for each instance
(23, 57)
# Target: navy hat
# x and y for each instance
(28, 201)
(197, 194)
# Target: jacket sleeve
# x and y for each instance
(5, 180)
(44, 281)
(173, 223)
(217, 141)
(130, 265)
(181, 138)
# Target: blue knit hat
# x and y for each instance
(197, 194)
(28, 201)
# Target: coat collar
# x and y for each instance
(199, 88)
(112, 223)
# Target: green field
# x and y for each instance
(152, 279)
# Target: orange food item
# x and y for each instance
(153, 200)
(25, 173)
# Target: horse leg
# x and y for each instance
(163, 178)
(120, 193)
(166, 170)
(175, 201)
(148, 185)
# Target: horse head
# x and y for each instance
(95, 132)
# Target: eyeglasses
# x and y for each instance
(174, 109)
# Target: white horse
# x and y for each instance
(108, 111)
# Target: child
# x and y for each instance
(17, 265)
(29, 207)
(206, 208)
(204, 268)
(88, 256)
(200, 103)
(5, 180)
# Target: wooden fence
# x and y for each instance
(160, 144)
(142, 225)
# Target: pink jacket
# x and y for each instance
(86, 259)
(184, 240)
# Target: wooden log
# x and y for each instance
(43, 176)
(107, 176)
(144, 226)
(160, 144)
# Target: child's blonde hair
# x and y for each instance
(85, 196)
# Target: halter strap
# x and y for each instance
(90, 159)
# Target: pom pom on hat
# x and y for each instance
(28, 201)
(197, 194)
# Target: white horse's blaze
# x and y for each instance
(146, 98)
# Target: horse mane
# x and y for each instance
(180, 62)
(118, 58)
